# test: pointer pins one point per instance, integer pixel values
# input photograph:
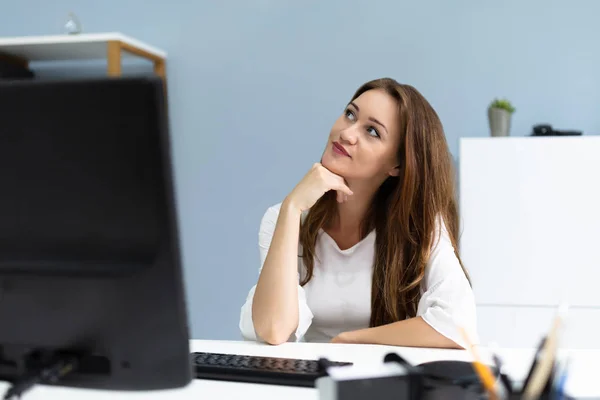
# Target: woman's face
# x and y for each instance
(363, 141)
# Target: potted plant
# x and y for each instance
(499, 116)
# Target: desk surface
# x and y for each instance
(581, 383)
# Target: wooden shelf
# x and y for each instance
(113, 47)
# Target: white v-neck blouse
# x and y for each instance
(338, 297)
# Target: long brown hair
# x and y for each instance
(406, 211)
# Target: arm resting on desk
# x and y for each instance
(447, 303)
(413, 332)
(275, 310)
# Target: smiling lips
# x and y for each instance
(339, 149)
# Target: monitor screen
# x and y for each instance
(89, 250)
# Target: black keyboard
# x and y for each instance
(254, 369)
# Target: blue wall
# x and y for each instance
(254, 89)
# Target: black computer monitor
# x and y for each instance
(90, 265)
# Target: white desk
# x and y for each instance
(581, 383)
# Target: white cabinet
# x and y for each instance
(530, 213)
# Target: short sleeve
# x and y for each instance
(447, 301)
(265, 235)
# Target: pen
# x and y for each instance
(541, 373)
(483, 371)
(504, 380)
(562, 380)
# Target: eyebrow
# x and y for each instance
(370, 118)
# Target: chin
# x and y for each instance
(345, 171)
(338, 167)
(334, 165)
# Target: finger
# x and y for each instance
(336, 182)
(344, 189)
(339, 196)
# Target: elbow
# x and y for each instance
(271, 329)
(275, 339)
(273, 334)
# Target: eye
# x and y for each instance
(372, 131)
(350, 115)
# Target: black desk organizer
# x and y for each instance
(454, 380)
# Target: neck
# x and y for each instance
(351, 213)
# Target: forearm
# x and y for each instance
(275, 302)
(413, 332)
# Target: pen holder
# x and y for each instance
(544, 396)
(550, 392)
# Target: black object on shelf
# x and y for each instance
(10, 70)
(548, 130)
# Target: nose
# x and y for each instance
(349, 135)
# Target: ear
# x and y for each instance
(395, 171)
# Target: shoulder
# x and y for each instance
(440, 236)
(443, 263)
(270, 216)
(268, 224)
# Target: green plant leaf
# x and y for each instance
(503, 104)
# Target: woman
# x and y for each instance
(364, 249)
